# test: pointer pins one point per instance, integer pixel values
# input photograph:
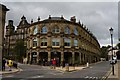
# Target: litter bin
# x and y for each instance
(67, 67)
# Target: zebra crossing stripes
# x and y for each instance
(93, 78)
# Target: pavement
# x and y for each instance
(68, 69)
(13, 70)
(116, 75)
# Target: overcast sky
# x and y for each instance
(97, 16)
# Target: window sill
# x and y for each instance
(43, 46)
(55, 46)
(33, 47)
(67, 46)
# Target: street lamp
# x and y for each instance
(111, 33)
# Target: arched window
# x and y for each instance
(34, 42)
(43, 42)
(56, 29)
(67, 30)
(75, 31)
(35, 31)
(44, 30)
(75, 42)
(67, 42)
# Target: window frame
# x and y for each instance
(35, 31)
(76, 31)
(55, 42)
(75, 43)
(67, 42)
(67, 30)
(44, 42)
(44, 31)
(35, 44)
(56, 29)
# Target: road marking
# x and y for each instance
(87, 77)
(10, 76)
(56, 73)
(94, 78)
(37, 76)
(22, 79)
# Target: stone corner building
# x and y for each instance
(61, 39)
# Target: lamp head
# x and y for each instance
(111, 30)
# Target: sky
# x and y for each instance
(98, 17)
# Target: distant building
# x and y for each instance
(115, 53)
(13, 35)
(3, 11)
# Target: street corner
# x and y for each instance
(70, 69)
(10, 72)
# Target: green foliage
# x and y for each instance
(104, 51)
(20, 50)
(118, 45)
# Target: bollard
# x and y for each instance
(87, 64)
(67, 67)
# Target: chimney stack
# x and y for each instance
(73, 19)
(10, 22)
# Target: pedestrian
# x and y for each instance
(51, 65)
(43, 62)
(3, 64)
(39, 61)
(57, 62)
(10, 64)
(54, 63)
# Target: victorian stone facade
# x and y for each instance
(65, 40)
(12, 35)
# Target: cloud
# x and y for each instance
(97, 16)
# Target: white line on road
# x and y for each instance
(10, 76)
(37, 76)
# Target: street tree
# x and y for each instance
(20, 50)
(104, 51)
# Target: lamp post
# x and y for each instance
(111, 33)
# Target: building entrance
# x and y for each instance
(68, 57)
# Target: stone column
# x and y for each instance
(49, 41)
(38, 43)
(30, 60)
(73, 57)
(83, 58)
(49, 57)
(72, 42)
(27, 56)
(80, 58)
(37, 57)
(31, 43)
(62, 57)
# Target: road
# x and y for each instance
(35, 72)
